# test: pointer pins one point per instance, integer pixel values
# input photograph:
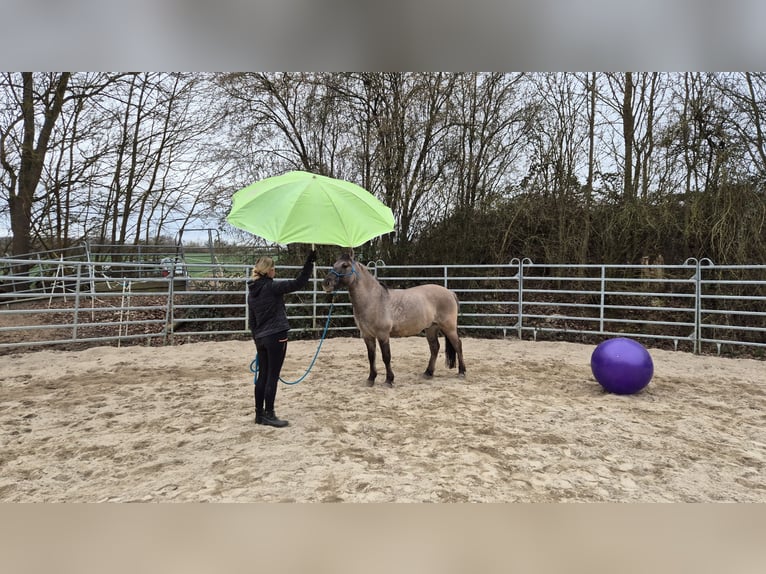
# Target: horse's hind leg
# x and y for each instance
(370, 342)
(432, 335)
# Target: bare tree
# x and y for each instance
(40, 99)
(743, 144)
(153, 160)
(490, 118)
(564, 165)
(755, 110)
(381, 130)
(628, 135)
(591, 91)
(408, 122)
(696, 138)
(560, 159)
(637, 99)
(72, 166)
(289, 121)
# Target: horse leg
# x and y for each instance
(385, 352)
(370, 342)
(432, 335)
(457, 348)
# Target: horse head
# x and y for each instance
(342, 274)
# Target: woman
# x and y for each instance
(269, 326)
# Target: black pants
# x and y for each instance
(271, 355)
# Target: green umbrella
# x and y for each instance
(302, 207)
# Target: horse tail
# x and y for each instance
(449, 353)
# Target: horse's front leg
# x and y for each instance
(385, 351)
(370, 342)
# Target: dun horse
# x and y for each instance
(381, 313)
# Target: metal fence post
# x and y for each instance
(697, 278)
(314, 300)
(695, 336)
(140, 269)
(516, 261)
(169, 313)
(520, 310)
(520, 277)
(698, 309)
(603, 300)
(247, 310)
(76, 302)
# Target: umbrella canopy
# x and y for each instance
(302, 207)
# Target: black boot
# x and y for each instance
(259, 416)
(270, 418)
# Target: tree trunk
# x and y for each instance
(32, 157)
(628, 126)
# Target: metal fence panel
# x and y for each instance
(695, 304)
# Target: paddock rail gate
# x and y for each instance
(695, 306)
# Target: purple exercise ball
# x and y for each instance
(622, 366)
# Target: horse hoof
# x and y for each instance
(461, 375)
(390, 384)
(427, 375)
(369, 383)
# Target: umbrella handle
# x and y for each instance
(314, 318)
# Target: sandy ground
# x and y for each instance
(528, 423)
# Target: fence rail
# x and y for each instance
(696, 306)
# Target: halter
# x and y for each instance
(352, 272)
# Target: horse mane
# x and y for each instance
(350, 258)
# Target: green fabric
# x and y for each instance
(302, 207)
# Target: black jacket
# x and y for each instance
(265, 306)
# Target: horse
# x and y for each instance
(381, 313)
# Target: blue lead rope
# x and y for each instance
(254, 363)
